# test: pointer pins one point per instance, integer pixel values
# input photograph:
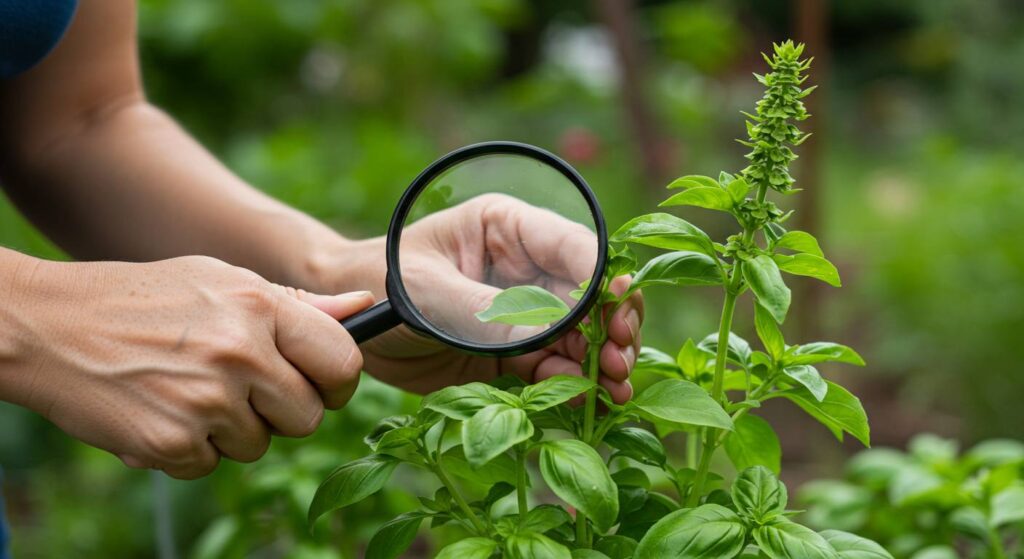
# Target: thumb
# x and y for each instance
(337, 306)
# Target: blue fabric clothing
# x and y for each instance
(29, 29)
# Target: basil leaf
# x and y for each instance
(706, 531)
(387, 424)
(662, 230)
(810, 378)
(469, 548)
(553, 391)
(656, 362)
(818, 352)
(395, 536)
(351, 483)
(501, 469)
(851, 546)
(691, 181)
(631, 477)
(914, 483)
(759, 495)
(762, 274)
(692, 359)
(769, 332)
(799, 241)
(492, 431)
(681, 401)
(995, 452)
(678, 268)
(785, 539)
(738, 351)
(754, 443)
(524, 305)
(708, 197)
(638, 444)
(544, 518)
(840, 411)
(1007, 506)
(578, 475)
(588, 554)
(531, 545)
(461, 402)
(810, 266)
(616, 546)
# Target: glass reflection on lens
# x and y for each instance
(490, 224)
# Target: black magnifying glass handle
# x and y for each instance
(371, 322)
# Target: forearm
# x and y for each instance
(132, 185)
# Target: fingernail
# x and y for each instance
(633, 323)
(355, 295)
(628, 356)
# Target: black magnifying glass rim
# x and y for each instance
(400, 299)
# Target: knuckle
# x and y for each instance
(231, 344)
(309, 427)
(171, 445)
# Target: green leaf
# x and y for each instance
(754, 443)
(544, 518)
(936, 552)
(851, 546)
(995, 452)
(394, 537)
(708, 197)
(738, 189)
(388, 424)
(762, 274)
(656, 362)
(637, 523)
(759, 495)
(738, 352)
(810, 378)
(616, 547)
(913, 482)
(840, 411)
(578, 475)
(691, 181)
(785, 539)
(800, 241)
(818, 352)
(461, 402)
(662, 230)
(1007, 506)
(469, 548)
(351, 483)
(876, 466)
(501, 469)
(678, 268)
(588, 554)
(706, 531)
(492, 431)
(692, 359)
(681, 401)
(553, 391)
(638, 444)
(809, 265)
(970, 521)
(525, 305)
(531, 545)
(631, 477)
(769, 332)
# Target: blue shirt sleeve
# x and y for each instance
(29, 29)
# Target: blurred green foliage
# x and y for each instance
(334, 105)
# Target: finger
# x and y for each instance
(285, 399)
(620, 392)
(202, 461)
(313, 341)
(557, 245)
(243, 437)
(617, 361)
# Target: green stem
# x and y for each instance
(581, 531)
(732, 291)
(459, 500)
(521, 482)
(590, 407)
(692, 440)
(998, 551)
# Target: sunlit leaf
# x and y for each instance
(525, 305)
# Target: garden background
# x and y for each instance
(333, 106)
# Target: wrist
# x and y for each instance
(20, 275)
(348, 265)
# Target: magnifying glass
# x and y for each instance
(540, 226)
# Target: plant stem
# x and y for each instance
(998, 552)
(459, 500)
(692, 440)
(521, 482)
(732, 291)
(593, 362)
(581, 531)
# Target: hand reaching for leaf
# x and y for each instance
(455, 262)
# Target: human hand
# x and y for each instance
(452, 264)
(173, 364)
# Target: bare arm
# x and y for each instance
(108, 176)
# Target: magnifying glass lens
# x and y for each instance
(499, 222)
